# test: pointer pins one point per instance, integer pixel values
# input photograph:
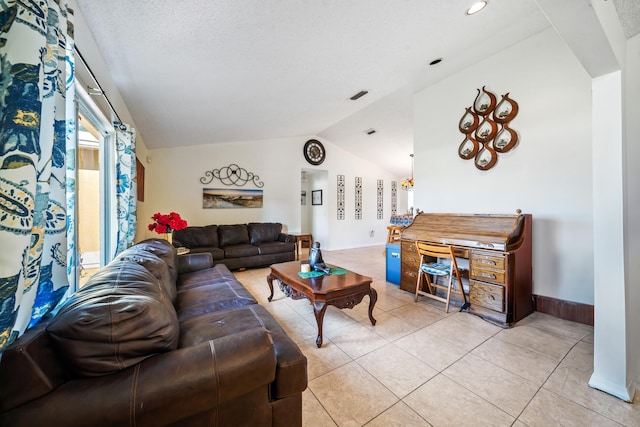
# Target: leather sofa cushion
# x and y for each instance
(233, 235)
(163, 250)
(207, 290)
(194, 262)
(216, 253)
(153, 264)
(214, 296)
(240, 251)
(120, 317)
(291, 372)
(275, 248)
(195, 237)
(260, 232)
(217, 273)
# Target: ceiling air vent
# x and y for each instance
(94, 91)
(359, 95)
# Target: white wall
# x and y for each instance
(632, 205)
(173, 178)
(548, 174)
(173, 184)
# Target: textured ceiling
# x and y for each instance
(202, 71)
(629, 14)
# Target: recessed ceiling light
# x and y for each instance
(476, 7)
(435, 61)
(359, 95)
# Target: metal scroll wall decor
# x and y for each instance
(486, 129)
(232, 175)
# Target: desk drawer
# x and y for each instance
(409, 270)
(409, 263)
(487, 259)
(410, 258)
(487, 274)
(488, 266)
(408, 280)
(486, 295)
(408, 247)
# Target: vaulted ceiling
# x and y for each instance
(205, 72)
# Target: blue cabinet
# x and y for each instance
(393, 263)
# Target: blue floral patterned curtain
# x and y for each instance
(126, 191)
(37, 132)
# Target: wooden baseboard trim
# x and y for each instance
(568, 310)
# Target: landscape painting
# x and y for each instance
(220, 198)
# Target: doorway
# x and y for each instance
(95, 189)
(314, 216)
(88, 197)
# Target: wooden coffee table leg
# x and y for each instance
(318, 309)
(270, 282)
(373, 297)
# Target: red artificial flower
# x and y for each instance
(167, 223)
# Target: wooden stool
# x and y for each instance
(393, 233)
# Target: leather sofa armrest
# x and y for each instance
(177, 243)
(194, 262)
(160, 390)
(286, 238)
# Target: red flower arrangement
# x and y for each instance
(167, 223)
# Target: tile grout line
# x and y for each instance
(565, 397)
(323, 407)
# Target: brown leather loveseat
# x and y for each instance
(256, 244)
(155, 339)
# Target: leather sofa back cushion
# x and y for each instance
(195, 237)
(233, 234)
(153, 264)
(261, 232)
(163, 250)
(118, 319)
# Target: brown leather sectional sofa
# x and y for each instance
(256, 244)
(155, 339)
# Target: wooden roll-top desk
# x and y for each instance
(498, 248)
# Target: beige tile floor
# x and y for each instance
(421, 367)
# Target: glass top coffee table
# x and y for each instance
(340, 290)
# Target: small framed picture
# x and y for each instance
(316, 197)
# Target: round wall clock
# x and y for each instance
(314, 152)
